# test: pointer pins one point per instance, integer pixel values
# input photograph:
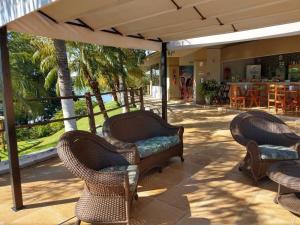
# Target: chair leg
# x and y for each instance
(182, 159)
(136, 197)
(160, 169)
(245, 163)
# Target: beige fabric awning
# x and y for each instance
(144, 23)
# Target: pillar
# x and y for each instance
(10, 129)
(163, 80)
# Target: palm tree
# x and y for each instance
(125, 64)
(26, 79)
(65, 84)
(83, 63)
(53, 60)
(102, 68)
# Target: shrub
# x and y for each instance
(80, 108)
(48, 129)
(23, 133)
(56, 126)
(40, 131)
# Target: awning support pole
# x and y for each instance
(9, 115)
(163, 81)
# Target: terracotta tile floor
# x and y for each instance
(207, 189)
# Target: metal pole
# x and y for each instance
(163, 80)
(9, 115)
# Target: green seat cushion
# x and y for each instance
(277, 152)
(133, 173)
(154, 145)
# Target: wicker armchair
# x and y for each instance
(107, 193)
(126, 130)
(267, 140)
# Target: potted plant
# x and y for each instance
(208, 89)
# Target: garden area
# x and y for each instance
(42, 137)
(43, 69)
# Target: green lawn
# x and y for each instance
(25, 147)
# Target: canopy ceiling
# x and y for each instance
(145, 23)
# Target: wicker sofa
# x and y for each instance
(267, 140)
(155, 140)
(110, 177)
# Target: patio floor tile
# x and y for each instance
(207, 189)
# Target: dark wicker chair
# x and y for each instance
(126, 129)
(257, 130)
(107, 193)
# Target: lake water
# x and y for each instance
(107, 98)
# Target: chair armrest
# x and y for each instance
(108, 183)
(252, 148)
(297, 148)
(131, 155)
(119, 144)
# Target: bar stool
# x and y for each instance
(280, 97)
(236, 97)
(293, 98)
(263, 94)
(254, 95)
(271, 95)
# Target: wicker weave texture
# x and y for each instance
(125, 129)
(106, 197)
(255, 128)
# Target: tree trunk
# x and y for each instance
(117, 88)
(121, 88)
(94, 85)
(114, 93)
(124, 95)
(65, 84)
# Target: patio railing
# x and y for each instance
(132, 96)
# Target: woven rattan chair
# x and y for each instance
(107, 193)
(125, 130)
(265, 138)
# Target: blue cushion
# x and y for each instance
(154, 145)
(133, 173)
(277, 152)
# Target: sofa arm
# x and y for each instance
(171, 129)
(180, 132)
(119, 144)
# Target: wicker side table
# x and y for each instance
(287, 174)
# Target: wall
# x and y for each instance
(213, 64)
(199, 72)
(261, 48)
(173, 86)
(156, 92)
(238, 68)
(199, 55)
